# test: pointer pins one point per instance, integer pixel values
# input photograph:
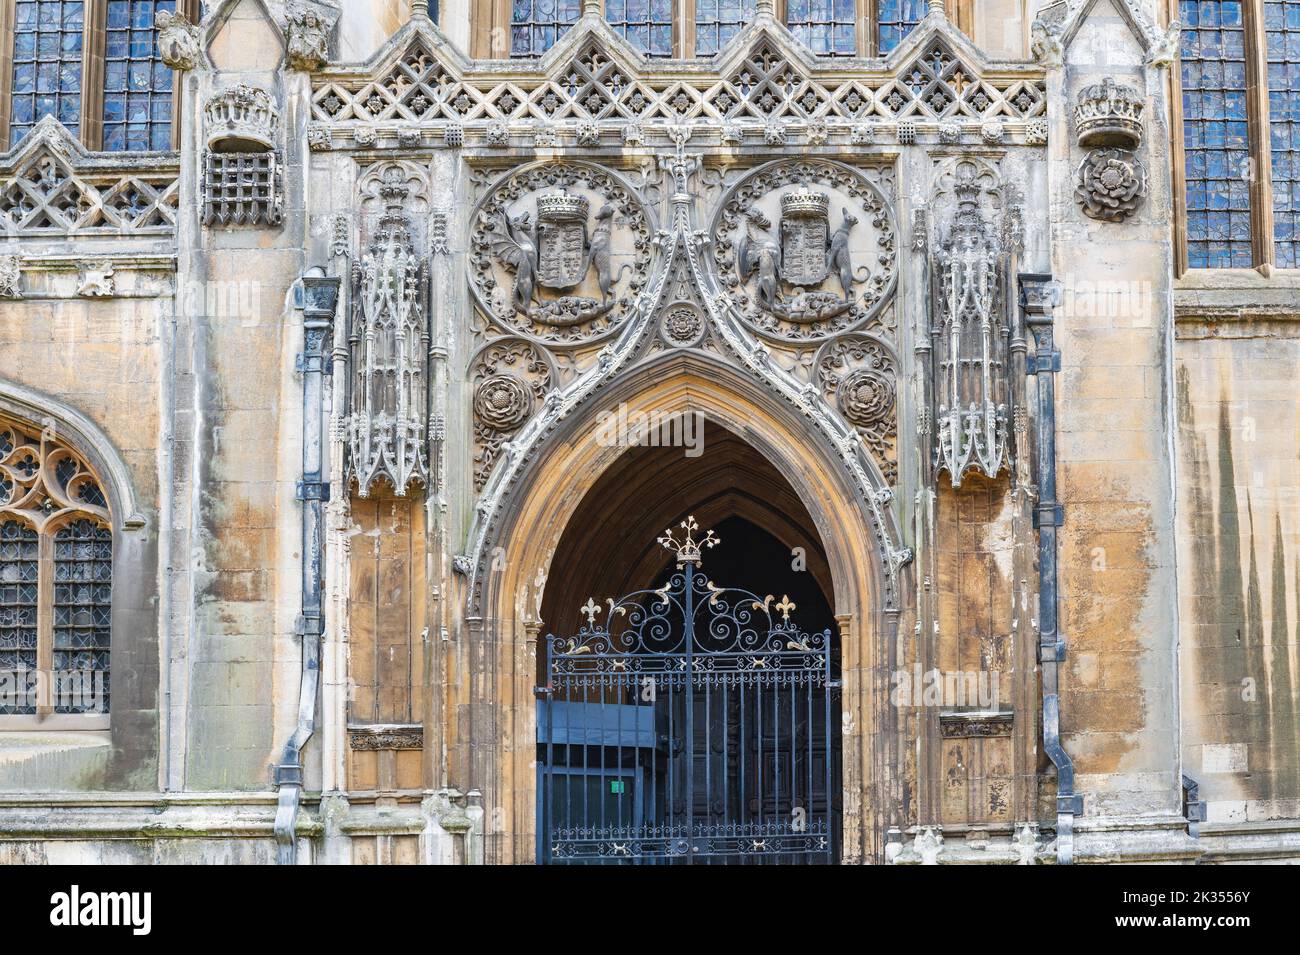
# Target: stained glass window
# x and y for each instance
(535, 25)
(717, 21)
(647, 24)
(824, 26)
(1215, 140)
(56, 577)
(48, 39)
(137, 84)
(1282, 41)
(895, 20)
(19, 552)
(83, 590)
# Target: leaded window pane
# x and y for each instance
(83, 591)
(1282, 39)
(137, 84)
(646, 24)
(718, 21)
(19, 568)
(825, 26)
(48, 38)
(895, 19)
(1216, 147)
(535, 25)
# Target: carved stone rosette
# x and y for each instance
(1111, 181)
(559, 253)
(510, 378)
(805, 249)
(389, 343)
(969, 332)
(858, 375)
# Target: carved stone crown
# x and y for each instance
(805, 203)
(1108, 114)
(562, 207)
(241, 116)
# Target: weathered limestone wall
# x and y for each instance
(1239, 600)
(1117, 553)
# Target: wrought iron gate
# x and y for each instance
(687, 724)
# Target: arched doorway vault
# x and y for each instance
(505, 620)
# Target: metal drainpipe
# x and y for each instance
(319, 296)
(1039, 295)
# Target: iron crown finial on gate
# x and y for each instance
(688, 550)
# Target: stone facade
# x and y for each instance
(339, 364)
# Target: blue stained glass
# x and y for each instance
(716, 23)
(135, 78)
(825, 26)
(895, 20)
(1282, 50)
(646, 24)
(1217, 171)
(46, 77)
(537, 24)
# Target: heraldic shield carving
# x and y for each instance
(806, 249)
(560, 252)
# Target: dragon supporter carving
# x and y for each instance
(560, 252)
(806, 249)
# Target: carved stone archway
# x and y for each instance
(498, 732)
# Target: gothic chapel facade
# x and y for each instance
(714, 431)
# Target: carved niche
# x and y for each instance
(806, 249)
(559, 253)
(510, 377)
(1111, 181)
(968, 331)
(389, 336)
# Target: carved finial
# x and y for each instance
(688, 549)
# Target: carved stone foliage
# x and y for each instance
(806, 249)
(969, 327)
(11, 277)
(307, 33)
(560, 252)
(767, 87)
(1111, 181)
(858, 375)
(178, 40)
(510, 378)
(389, 343)
(54, 188)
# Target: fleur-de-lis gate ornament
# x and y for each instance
(688, 724)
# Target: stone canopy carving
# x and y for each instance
(1111, 181)
(806, 249)
(559, 253)
(389, 341)
(969, 329)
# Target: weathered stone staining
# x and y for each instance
(817, 257)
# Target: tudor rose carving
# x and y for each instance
(1111, 181)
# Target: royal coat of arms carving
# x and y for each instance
(560, 253)
(827, 265)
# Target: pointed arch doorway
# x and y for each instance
(690, 700)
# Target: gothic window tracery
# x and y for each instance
(56, 576)
(717, 21)
(46, 80)
(895, 20)
(827, 27)
(1282, 37)
(535, 25)
(647, 24)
